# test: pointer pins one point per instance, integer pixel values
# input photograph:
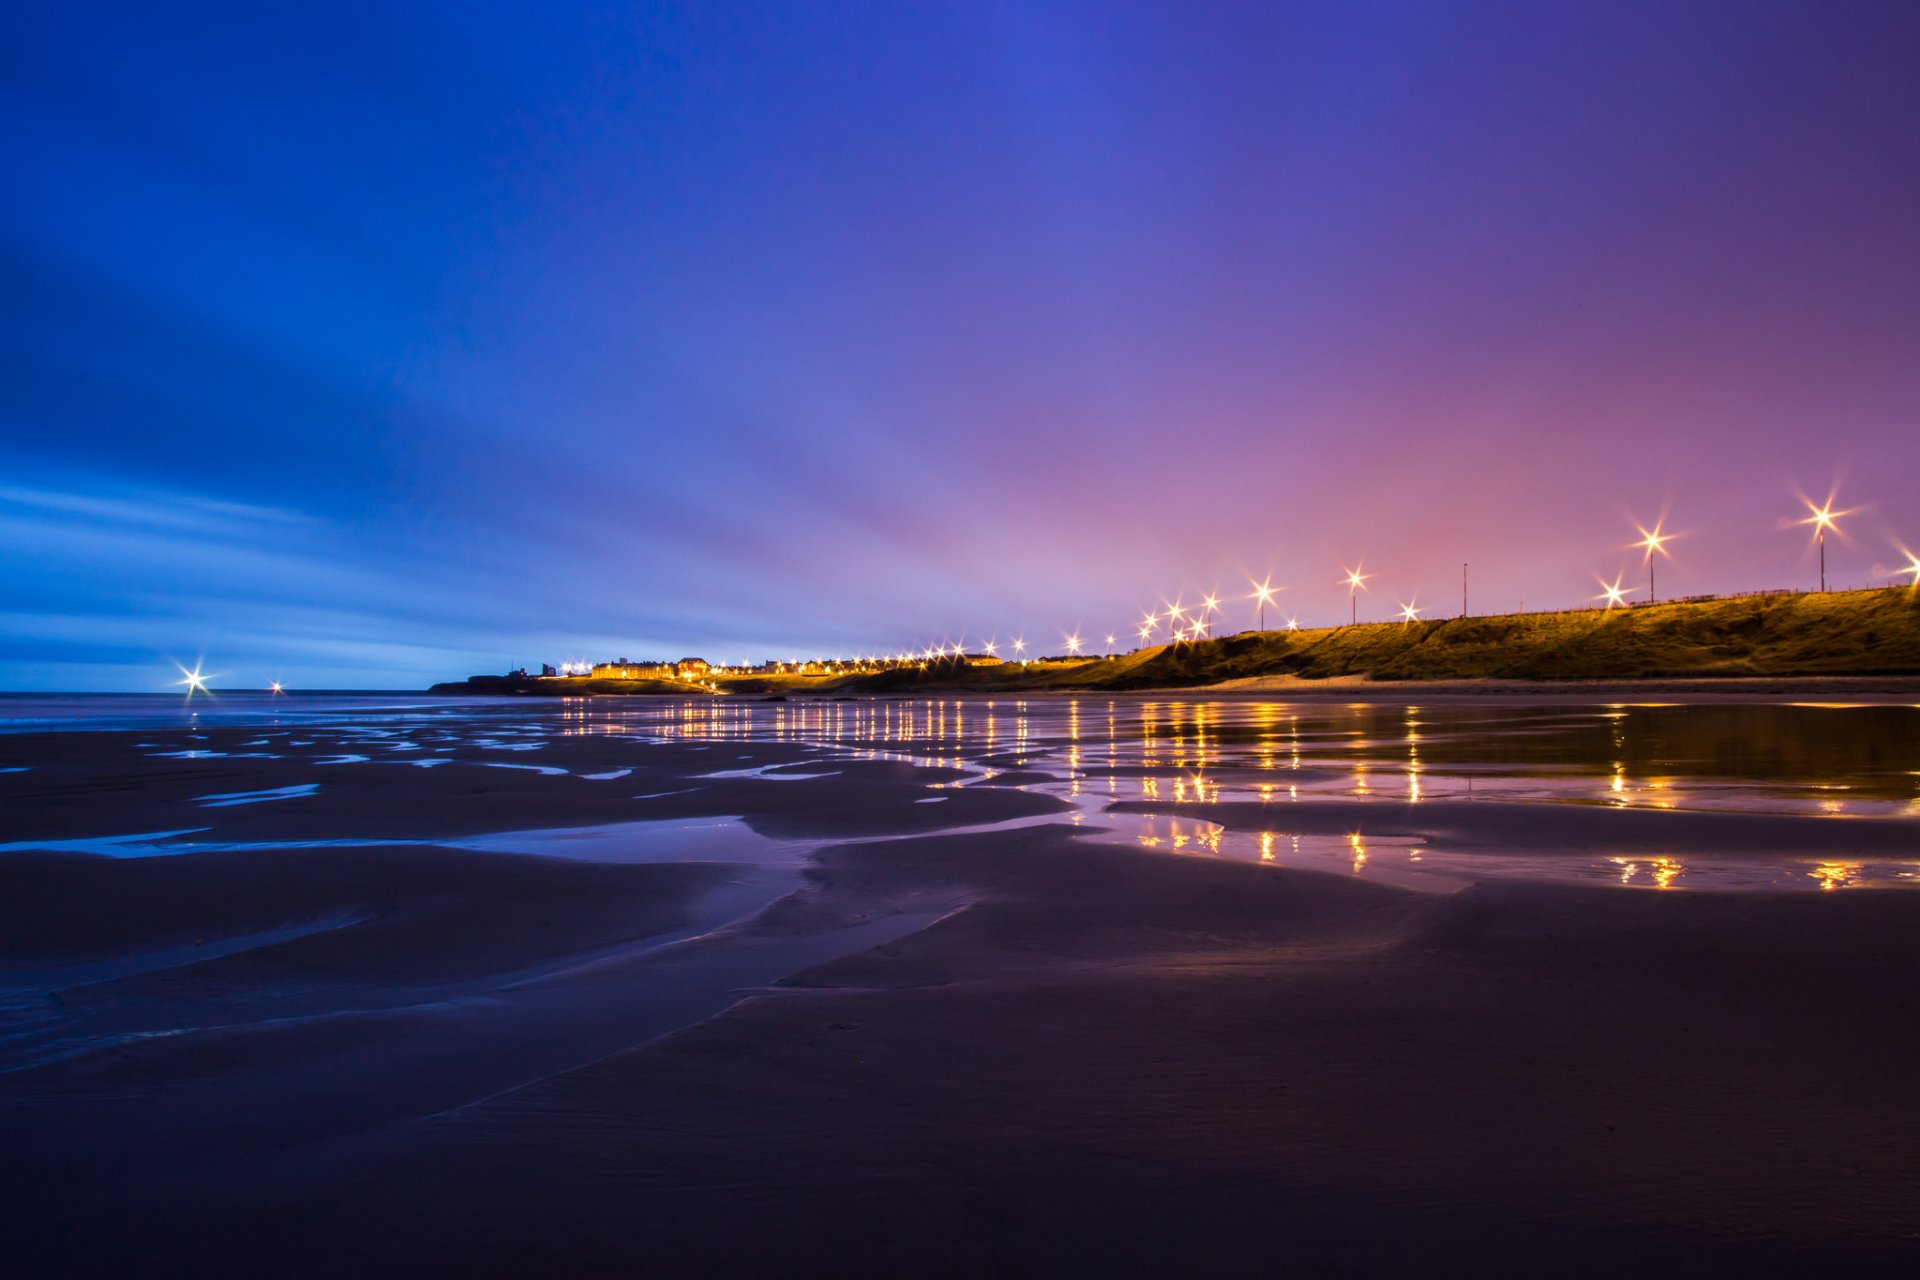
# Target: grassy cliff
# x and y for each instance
(1852, 633)
(1838, 633)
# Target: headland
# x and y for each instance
(1859, 641)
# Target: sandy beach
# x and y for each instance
(855, 1033)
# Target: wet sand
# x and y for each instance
(1020, 1051)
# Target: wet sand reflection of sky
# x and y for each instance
(1168, 756)
(1801, 759)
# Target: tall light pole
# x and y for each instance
(1463, 590)
(1355, 581)
(1262, 592)
(1653, 541)
(1823, 519)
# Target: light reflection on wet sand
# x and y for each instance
(1845, 763)
(1855, 762)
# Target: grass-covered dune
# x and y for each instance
(1853, 633)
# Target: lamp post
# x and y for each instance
(1262, 592)
(1355, 581)
(1653, 541)
(1823, 519)
(1615, 593)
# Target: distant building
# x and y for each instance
(547, 670)
(624, 670)
(692, 667)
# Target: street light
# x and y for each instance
(1912, 566)
(1653, 541)
(1409, 612)
(1615, 593)
(1822, 520)
(1109, 646)
(1073, 644)
(1262, 592)
(1356, 582)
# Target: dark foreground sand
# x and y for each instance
(1016, 1053)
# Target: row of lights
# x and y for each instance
(1186, 623)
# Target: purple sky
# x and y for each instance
(366, 346)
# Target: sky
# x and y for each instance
(363, 346)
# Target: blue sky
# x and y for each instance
(369, 345)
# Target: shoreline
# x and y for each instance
(1878, 688)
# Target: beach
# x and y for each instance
(945, 987)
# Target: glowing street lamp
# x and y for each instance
(275, 688)
(993, 649)
(1822, 520)
(1615, 593)
(1651, 541)
(195, 681)
(1073, 644)
(1174, 613)
(1262, 592)
(1293, 624)
(1912, 566)
(1020, 646)
(1209, 606)
(1356, 582)
(1109, 646)
(1145, 633)
(1409, 612)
